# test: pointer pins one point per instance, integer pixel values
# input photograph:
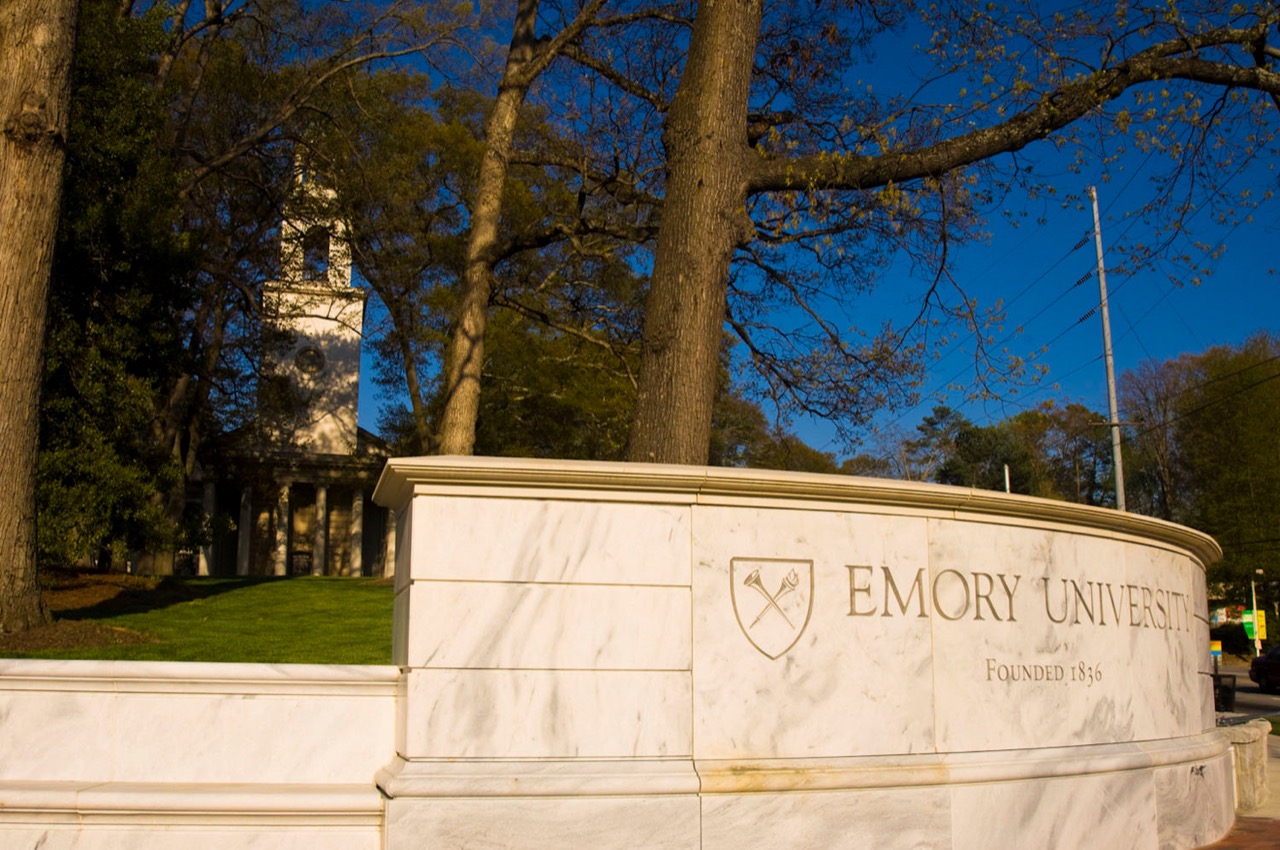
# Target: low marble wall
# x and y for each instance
(608, 655)
(101, 754)
(615, 655)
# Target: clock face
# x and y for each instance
(309, 360)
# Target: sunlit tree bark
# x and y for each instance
(527, 58)
(704, 220)
(36, 41)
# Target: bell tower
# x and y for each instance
(315, 319)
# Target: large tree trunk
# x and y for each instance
(464, 360)
(36, 41)
(704, 219)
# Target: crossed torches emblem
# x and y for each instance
(788, 584)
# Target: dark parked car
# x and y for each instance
(1265, 670)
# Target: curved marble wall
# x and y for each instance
(618, 655)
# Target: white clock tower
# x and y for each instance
(318, 315)
(298, 482)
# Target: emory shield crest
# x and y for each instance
(772, 600)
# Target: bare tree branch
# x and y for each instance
(613, 75)
(1175, 59)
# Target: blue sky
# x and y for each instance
(1047, 281)
(1035, 268)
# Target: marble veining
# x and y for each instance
(540, 626)
(1194, 803)
(501, 714)
(840, 688)
(126, 727)
(1111, 810)
(527, 540)
(912, 819)
(253, 836)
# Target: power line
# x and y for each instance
(1007, 304)
(1025, 404)
(1209, 403)
(1211, 381)
(1260, 540)
(1088, 275)
(1133, 330)
(1009, 337)
(1133, 221)
(1132, 325)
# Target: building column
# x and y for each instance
(320, 541)
(357, 532)
(280, 555)
(389, 559)
(208, 501)
(244, 532)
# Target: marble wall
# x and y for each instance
(620, 656)
(666, 656)
(191, 756)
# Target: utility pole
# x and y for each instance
(1106, 350)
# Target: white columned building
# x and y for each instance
(295, 484)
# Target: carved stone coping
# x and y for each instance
(671, 484)
(273, 807)
(177, 677)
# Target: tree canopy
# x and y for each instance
(565, 209)
(186, 132)
(1204, 452)
(1198, 447)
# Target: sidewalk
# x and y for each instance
(1259, 829)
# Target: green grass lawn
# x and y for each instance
(297, 620)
